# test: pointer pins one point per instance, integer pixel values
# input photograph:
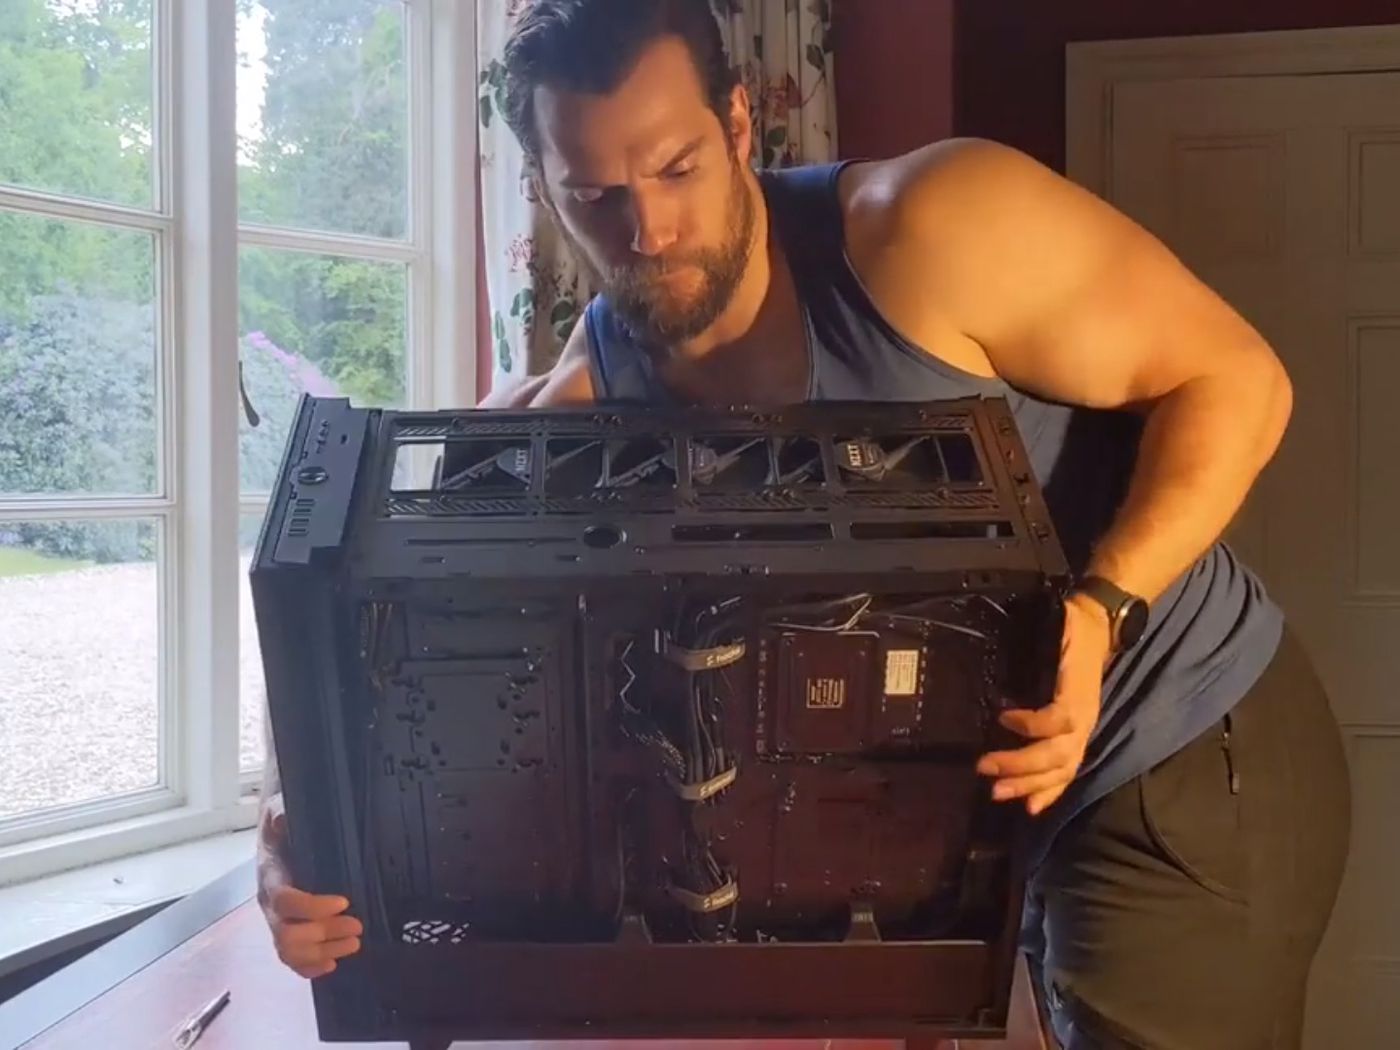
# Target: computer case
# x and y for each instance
(641, 723)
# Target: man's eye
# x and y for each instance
(588, 196)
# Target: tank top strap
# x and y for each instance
(806, 210)
(621, 369)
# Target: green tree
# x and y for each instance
(334, 152)
(78, 385)
(75, 98)
(346, 315)
(78, 300)
(333, 156)
(75, 118)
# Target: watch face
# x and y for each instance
(1133, 623)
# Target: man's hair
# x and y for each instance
(592, 45)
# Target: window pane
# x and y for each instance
(319, 324)
(75, 98)
(323, 115)
(252, 690)
(79, 657)
(77, 358)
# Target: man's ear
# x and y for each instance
(531, 182)
(741, 122)
(539, 194)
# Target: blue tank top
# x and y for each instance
(1210, 634)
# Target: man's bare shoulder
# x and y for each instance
(983, 233)
(569, 382)
(927, 232)
(948, 189)
(1001, 265)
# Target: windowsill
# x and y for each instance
(112, 839)
(53, 914)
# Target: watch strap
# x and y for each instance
(1107, 593)
(1114, 599)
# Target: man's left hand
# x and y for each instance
(1040, 772)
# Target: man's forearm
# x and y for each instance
(1202, 448)
(270, 804)
(271, 838)
(270, 793)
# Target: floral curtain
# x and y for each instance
(783, 50)
(535, 290)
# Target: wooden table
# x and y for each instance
(136, 990)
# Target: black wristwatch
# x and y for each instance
(1127, 613)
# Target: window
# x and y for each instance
(190, 189)
(327, 257)
(87, 504)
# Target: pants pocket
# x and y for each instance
(1192, 809)
(1079, 1026)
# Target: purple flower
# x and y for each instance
(304, 373)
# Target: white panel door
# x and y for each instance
(1283, 193)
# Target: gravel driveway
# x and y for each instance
(78, 700)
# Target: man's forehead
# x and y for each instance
(578, 158)
(654, 112)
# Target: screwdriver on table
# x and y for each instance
(194, 1027)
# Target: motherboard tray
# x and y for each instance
(631, 723)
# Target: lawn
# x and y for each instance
(16, 561)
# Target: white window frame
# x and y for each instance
(197, 501)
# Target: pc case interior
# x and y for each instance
(618, 723)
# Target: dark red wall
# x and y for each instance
(894, 74)
(912, 71)
(1011, 53)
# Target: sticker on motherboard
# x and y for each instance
(826, 693)
(901, 672)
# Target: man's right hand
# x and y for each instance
(310, 931)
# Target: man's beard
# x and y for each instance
(656, 314)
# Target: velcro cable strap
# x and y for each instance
(700, 659)
(704, 904)
(707, 789)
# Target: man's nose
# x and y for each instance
(653, 223)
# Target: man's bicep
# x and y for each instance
(1070, 299)
(1125, 323)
